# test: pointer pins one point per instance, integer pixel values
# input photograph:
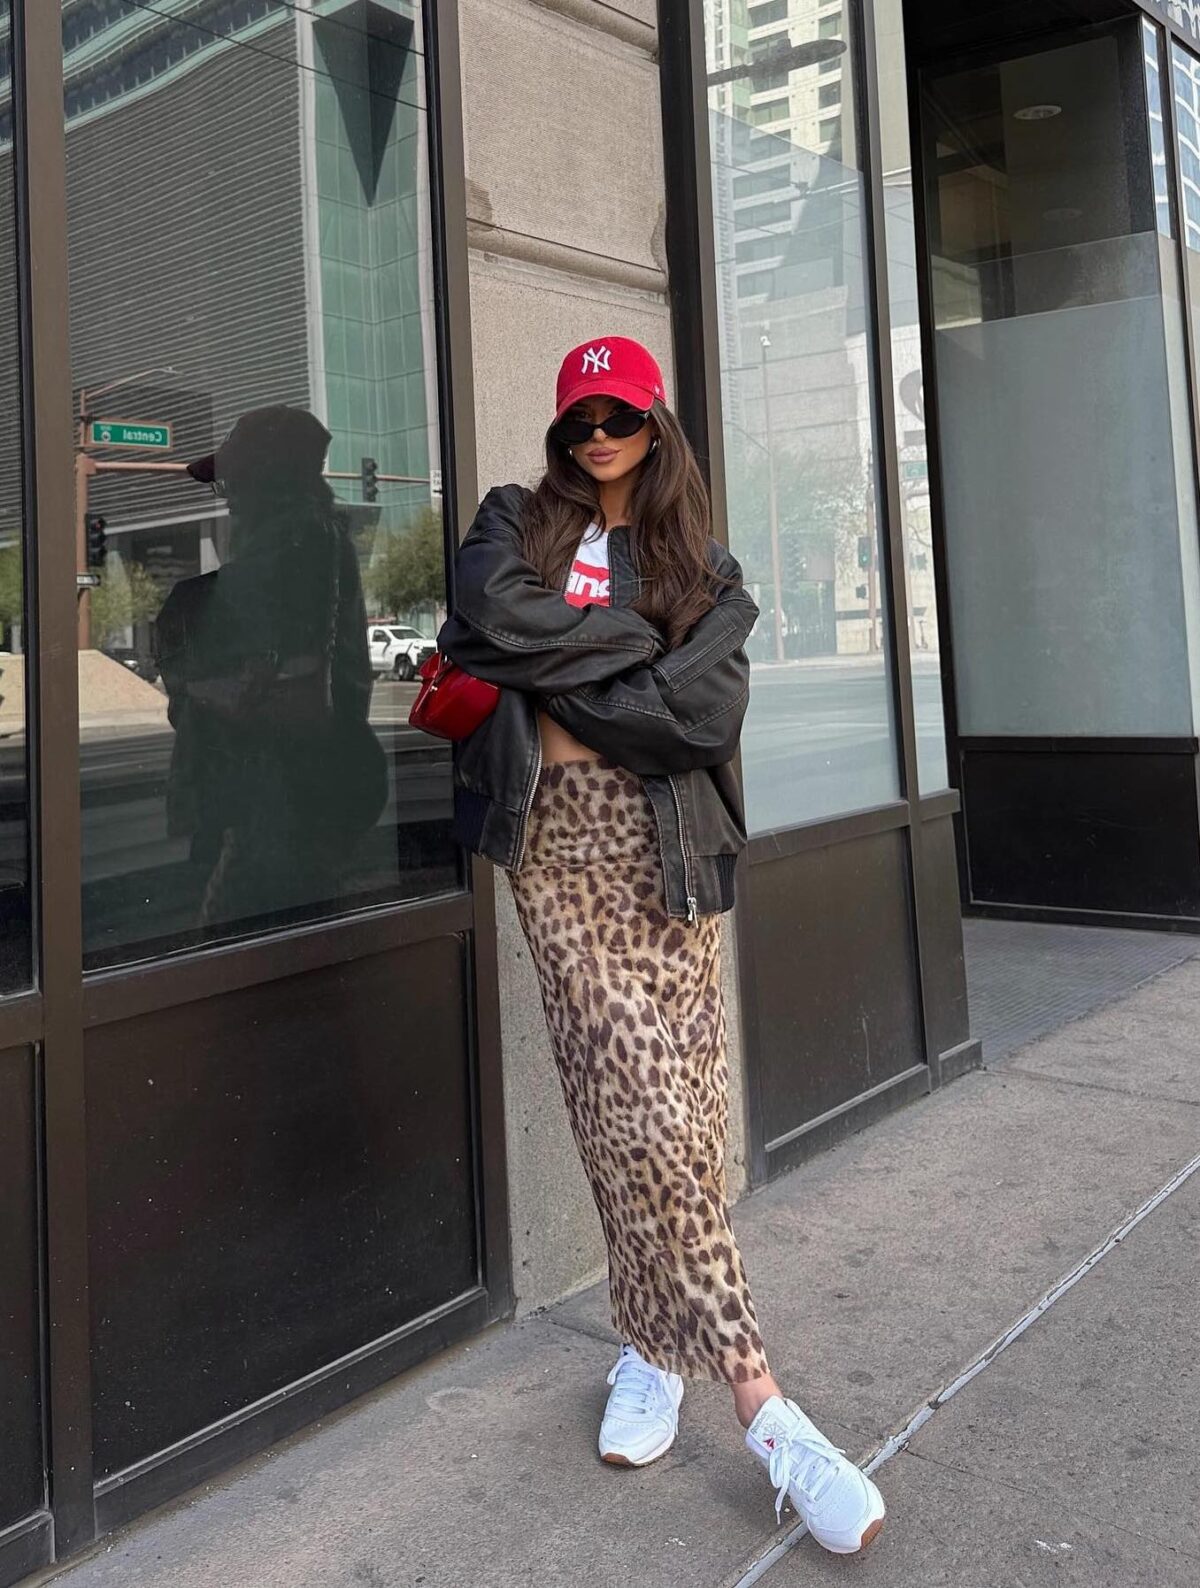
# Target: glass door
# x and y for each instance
(22, 1471)
(260, 1046)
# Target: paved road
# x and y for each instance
(817, 741)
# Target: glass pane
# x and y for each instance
(1057, 325)
(908, 381)
(804, 519)
(1158, 141)
(1186, 13)
(1185, 70)
(1185, 75)
(15, 967)
(250, 258)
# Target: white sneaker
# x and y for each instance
(642, 1414)
(841, 1506)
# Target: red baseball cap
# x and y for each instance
(611, 366)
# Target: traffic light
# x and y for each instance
(370, 480)
(97, 542)
(864, 551)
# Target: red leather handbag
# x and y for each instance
(450, 703)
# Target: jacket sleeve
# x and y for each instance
(508, 628)
(683, 710)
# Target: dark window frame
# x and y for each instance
(54, 1016)
(694, 303)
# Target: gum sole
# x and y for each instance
(871, 1532)
(616, 1460)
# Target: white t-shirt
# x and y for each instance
(587, 583)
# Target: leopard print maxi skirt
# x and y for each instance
(637, 1024)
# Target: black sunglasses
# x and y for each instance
(620, 424)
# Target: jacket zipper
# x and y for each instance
(529, 794)
(692, 907)
(531, 790)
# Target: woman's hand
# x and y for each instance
(685, 709)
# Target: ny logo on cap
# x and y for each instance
(596, 358)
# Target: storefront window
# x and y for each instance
(1185, 76)
(258, 482)
(1185, 69)
(795, 328)
(14, 811)
(1186, 13)
(1154, 115)
(908, 380)
(1066, 468)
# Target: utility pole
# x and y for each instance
(872, 582)
(85, 467)
(772, 502)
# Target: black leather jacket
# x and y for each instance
(603, 673)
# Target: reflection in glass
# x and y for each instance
(1185, 72)
(789, 218)
(1185, 77)
(1057, 321)
(909, 393)
(275, 771)
(1158, 140)
(15, 968)
(249, 216)
(1187, 14)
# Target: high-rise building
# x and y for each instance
(278, 1117)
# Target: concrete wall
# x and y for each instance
(567, 243)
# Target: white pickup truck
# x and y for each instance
(397, 650)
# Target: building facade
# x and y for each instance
(279, 1116)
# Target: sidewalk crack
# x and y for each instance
(592, 1331)
(1103, 1519)
(1094, 1086)
(901, 1440)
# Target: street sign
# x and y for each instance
(87, 581)
(129, 433)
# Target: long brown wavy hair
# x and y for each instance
(669, 528)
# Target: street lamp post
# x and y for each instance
(772, 502)
(785, 56)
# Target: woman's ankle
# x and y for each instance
(751, 1395)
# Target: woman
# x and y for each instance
(275, 771)
(602, 784)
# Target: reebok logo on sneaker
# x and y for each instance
(840, 1505)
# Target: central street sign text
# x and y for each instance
(128, 433)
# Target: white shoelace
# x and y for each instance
(635, 1386)
(807, 1460)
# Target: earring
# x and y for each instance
(654, 444)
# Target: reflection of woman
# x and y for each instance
(602, 784)
(275, 771)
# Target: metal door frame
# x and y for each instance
(52, 1018)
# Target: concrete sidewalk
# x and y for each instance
(881, 1270)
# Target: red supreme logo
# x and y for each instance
(587, 584)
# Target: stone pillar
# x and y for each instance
(565, 211)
